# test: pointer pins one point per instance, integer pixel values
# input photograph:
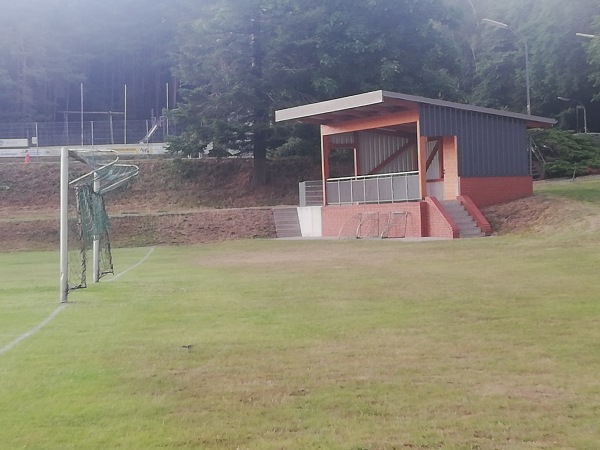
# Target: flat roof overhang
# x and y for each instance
(382, 103)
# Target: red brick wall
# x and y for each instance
(343, 220)
(426, 218)
(493, 190)
(439, 223)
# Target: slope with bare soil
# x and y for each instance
(170, 202)
(194, 201)
(162, 185)
(544, 214)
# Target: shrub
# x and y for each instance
(567, 153)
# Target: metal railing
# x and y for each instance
(311, 193)
(385, 188)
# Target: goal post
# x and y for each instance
(84, 223)
(64, 223)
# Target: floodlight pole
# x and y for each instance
(81, 106)
(167, 118)
(125, 117)
(497, 24)
(64, 223)
(37, 141)
(585, 128)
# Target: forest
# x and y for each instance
(221, 67)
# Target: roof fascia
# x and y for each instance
(371, 123)
(479, 109)
(305, 112)
(335, 105)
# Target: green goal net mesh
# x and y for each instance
(89, 224)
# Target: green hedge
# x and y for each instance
(568, 153)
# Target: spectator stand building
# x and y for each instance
(422, 167)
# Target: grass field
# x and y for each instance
(585, 189)
(467, 344)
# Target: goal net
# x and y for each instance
(85, 224)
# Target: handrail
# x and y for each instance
(381, 175)
(382, 188)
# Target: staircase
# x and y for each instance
(286, 222)
(467, 227)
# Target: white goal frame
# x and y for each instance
(64, 223)
(64, 209)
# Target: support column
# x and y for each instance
(450, 168)
(325, 151)
(356, 151)
(422, 163)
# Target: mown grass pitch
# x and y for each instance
(483, 343)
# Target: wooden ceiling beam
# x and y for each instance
(369, 123)
(393, 156)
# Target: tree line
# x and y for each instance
(224, 66)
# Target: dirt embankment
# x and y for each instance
(170, 202)
(543, 214)
(195, 201)
(162, 186)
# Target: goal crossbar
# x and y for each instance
(105, 174)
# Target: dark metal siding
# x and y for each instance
(488, 145)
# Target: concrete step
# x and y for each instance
(287, 223)
(467, 227)
(463, 220)
(453, 205)
(470, 234)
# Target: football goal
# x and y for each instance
(84, 223)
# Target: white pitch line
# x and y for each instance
(54, 313)
(132, 267)
(34, 330)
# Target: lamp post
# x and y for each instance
(497, 24)
(565, 99)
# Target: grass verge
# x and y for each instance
(488, 343)
(585, 189)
